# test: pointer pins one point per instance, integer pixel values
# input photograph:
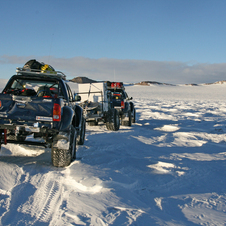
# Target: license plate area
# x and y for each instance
(28, 129)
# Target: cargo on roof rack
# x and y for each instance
(22, 71)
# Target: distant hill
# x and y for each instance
(82, 80)
(148, 83)
(219, 82)
(191, 84)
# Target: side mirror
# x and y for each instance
(77, 97)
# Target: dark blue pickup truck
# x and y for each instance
(122, 103)
(41, 106)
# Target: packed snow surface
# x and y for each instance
(167, 169)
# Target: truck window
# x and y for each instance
(69, 93)
(34, 87)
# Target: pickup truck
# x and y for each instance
(38, 108)
(122, 103)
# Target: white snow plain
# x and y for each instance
(167, 169)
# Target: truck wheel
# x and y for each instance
(129, 122)
(134, 116)
(63, 157)
(72, 147)
(113, 121)
(81, 136)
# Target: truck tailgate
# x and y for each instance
(23, 108)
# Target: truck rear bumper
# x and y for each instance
(27, 128)
(9, 131)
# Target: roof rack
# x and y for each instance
(22, 71)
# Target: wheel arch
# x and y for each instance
(66, 118)
(77, 120)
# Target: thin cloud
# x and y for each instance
(129, 70)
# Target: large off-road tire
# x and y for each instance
(134, 116)
(113, 121)
(63, 157)
(129, 121)
(81, 136)
(73, 143)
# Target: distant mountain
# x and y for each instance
(192, 84)
(143, 83)
(82, 80)
(219, 82)
(148, 83)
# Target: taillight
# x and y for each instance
(56, 112)
(116, 85)
(122, 104)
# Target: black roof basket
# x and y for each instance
(22, 71)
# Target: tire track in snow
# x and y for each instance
(52, 193)
(52, 201)
(47, 199)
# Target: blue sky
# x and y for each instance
(175, 40)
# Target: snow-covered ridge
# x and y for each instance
(150, 83)
(219, 82)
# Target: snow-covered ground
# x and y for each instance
(167, 169)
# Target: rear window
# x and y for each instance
(32, 87)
